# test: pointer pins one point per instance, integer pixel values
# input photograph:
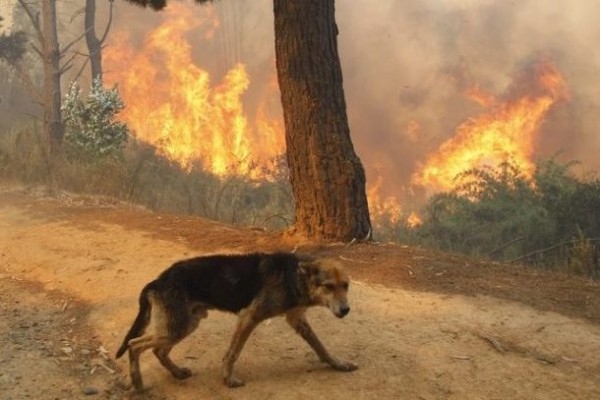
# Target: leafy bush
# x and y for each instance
(491, 207)
(91, 131)
(502, 214)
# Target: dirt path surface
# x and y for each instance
(423, 325)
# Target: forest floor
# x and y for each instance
(424, 325)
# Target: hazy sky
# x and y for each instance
(6, 7)
(407, 64)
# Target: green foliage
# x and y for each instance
(12, 47)
(490, 206)
(91, 131)
(502, 214)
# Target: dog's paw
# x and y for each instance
(232, 382)
(345, 366)
(182, 373)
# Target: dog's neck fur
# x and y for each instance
(308, 280)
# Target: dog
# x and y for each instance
(254, 286)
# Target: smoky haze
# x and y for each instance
(407, 66)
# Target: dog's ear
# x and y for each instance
(308, 267)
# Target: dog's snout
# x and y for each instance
(344, 310)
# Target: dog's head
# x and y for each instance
(328, 284)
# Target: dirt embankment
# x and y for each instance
(423, 325)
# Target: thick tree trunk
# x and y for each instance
(53, 126)
(327, 177)
(92, 41)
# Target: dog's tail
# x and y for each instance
(140, 321)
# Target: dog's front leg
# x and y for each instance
(297, 320)
(246, 324)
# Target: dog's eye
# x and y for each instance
(329, 286)
(345, 285)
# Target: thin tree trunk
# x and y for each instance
(52, 97)
(92, 41)
(327, 177)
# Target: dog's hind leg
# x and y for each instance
(136, 347)
(180, 326)
(162, 353)
(297, 320)
(247, 321)
(168, 325)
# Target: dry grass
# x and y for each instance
(142, 176)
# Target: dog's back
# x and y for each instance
(229, 282)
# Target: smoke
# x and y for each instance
(411, 63)
(408, 65)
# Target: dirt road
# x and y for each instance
(71, 270)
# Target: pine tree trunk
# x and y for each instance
(53, 126)
(327, 177)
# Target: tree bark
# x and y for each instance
(92, 41)
(53, 125)
(327, 177)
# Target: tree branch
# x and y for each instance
(553, 247)
(77, 39)
(38, 51)
(110, 18)
(76, 78)
(77, 13)
(68, 64)
(34, 18)
(65, 68)
(505, 245)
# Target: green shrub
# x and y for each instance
(502, 214)
(91, 130)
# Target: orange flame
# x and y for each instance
(507, 132)
(387, 208)
(171, 104)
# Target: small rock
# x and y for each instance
(90, 390)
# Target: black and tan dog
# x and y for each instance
(255, 286)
